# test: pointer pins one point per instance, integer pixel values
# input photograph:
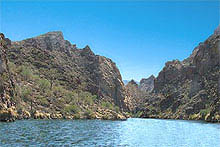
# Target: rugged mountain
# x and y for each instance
(53, 76)
(127, 81)
(189, 89)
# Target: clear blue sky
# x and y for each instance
(140, 36)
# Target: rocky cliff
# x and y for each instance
(7, 106)
(54, 77)
(136, 93)
(189, 89)
(147, 85)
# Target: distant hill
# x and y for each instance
(127, 81)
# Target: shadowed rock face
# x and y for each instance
(190, 87)
(77, 67)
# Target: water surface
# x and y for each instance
(133, 132)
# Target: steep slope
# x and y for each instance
(53, 77)
(189, 89)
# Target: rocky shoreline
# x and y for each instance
(196, 117)
(11, 115)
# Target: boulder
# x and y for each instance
(8, 115)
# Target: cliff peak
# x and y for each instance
(49, 41)
(87, 51)
(52, 35)
(132, 82)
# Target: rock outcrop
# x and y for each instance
(147, 85)
(189, 88)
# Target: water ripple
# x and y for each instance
(130, 133)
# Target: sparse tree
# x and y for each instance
(52, 77)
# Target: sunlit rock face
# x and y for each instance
(147, 85)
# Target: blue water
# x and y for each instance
(133, 132)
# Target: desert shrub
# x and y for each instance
(43, 101)
(129, 114)
(26, 73)
(36, 77)
(117, 109)
(72, 108)
(58, 90)
(59, 103)
(204, 112)
(88, 100)
(138, 114)
(70, 96)
(87, 97)
(107, 105)
(12, 67)
(77, 116)
(89, 114)
(194, 116)
(26, 93)
(110, 106)
(44, 85)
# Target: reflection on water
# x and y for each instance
(133, 132)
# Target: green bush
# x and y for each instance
(44, 102)
(72, 109)
(44, 85)
(12, 67)
(70, 96)
(89, 114)
(117, 109)
(138, 114)
(58, 90)
(36, 77)
(204, 112)
(26, 93)
(26, 73)
(87, 97)
(107, 105)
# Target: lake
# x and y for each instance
(133, 132)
